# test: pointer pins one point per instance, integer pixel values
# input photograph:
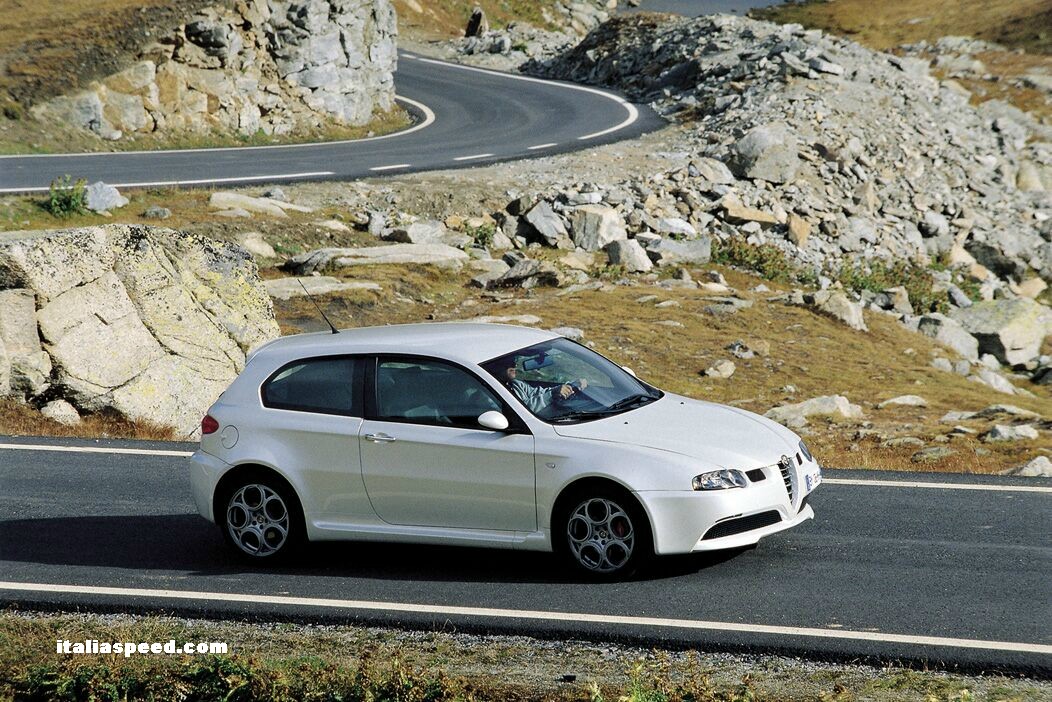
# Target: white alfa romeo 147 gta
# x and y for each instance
(486, 435)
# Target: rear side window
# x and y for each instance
(323, 385)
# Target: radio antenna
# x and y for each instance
(318, 307)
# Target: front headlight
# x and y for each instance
(803, 450)
(719, 480)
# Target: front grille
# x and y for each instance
(739, 525)
(784, 466)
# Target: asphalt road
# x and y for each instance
(955, 576)
(465, 117)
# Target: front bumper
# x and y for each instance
(681, 519)
(205, 472)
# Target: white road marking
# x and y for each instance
(542, 146)
(429, 119)
(95, 449)
(936, 486)
(538, 615)
(202, 181)
(392, 167)
(633, 113)
(472, 158)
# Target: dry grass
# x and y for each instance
(288, 661)
(17, 419)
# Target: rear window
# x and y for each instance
(322, 385)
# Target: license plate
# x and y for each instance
(812, 480)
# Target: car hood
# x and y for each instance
(725, 436)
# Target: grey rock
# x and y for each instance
(1010, 432)
(766, 153)
(630, 254)
(1038, 467)
(836, 304)
(596, 226)
(669, 252)
(942, 364)
(289, 288)
(994, 380)
(100, 197)
(720, 369)
(62, 412)
(439, 255)
(795, 415)
(930, 455)
(156, 212)
(1011, 330)
(548, 224)
(149, 322)
(949, 333)
(907, 400)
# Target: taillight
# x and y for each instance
(209, 425)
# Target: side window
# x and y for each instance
(430, 392)
(324, 385)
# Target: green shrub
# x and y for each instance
(483, 236)
(66, 198)
(767, 260)
(878, 275)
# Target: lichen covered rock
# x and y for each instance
(151, 322)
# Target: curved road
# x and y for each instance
(944, 570)
(464, 117)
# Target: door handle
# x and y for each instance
(379, 438)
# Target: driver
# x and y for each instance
(537, 398)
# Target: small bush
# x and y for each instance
(66, 198)
(483, 236)
(878, 275)
(765, 259)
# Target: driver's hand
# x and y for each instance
(582, 383)
(565, 391)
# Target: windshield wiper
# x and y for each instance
(622, 404)
(629, 401)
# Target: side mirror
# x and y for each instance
(628, 370)
(493, 420)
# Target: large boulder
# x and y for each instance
(24, 366)
(1011, 330)
(768, 153)
(595, 226)
(795, 415)
(836, 304)
(670, 252)
(439, 255)
(151, 322)
(949, 333)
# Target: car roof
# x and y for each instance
(466, 342)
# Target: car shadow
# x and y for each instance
(187, 543)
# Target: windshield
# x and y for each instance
(561, 381)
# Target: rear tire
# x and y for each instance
(603, 533)
(261, 520)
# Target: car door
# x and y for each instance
(313, 410)
(426, 460)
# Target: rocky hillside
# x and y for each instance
(263, 66)
(148, 322)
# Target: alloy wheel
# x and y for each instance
(257, 519)
(601, 535)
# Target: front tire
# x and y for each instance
(262, 520)
(605, 534)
